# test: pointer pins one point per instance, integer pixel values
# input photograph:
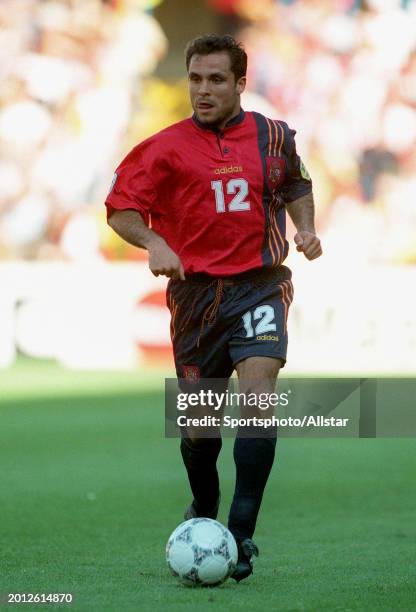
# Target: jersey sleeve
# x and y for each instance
(132, 187)
(297, 183)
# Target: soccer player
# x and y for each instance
(215, 189)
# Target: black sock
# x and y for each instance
(253, 459)
(200, 459)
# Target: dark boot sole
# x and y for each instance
(243, 570)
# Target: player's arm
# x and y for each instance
(129, 224)
(298, 198)
(302, 213)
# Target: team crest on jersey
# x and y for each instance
(191, 373)
(275, 172)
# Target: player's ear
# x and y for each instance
(241, 84)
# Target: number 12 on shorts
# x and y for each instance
(264, 315)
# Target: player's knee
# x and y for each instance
(197, 443)
(258, 374)
(195, 452)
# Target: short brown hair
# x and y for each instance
(213, 43)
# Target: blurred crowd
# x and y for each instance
(72, 73)
(345, 78)
(78, 93)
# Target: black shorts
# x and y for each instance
(217, 322)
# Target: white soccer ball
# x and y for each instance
(201, 551)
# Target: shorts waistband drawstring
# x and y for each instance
(210, 313)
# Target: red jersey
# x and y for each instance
(217, 197)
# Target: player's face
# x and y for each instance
(214, 92)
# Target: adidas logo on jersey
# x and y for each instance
(228, 169)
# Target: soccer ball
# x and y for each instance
(201, 551)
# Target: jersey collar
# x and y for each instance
(234, 121)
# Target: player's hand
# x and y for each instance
(309, 244)
(164, 261)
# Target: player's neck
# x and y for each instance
(236, 111)
(233, 118)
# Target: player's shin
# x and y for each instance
(253, 457)
(200, 459)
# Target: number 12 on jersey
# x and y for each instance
(237, 186)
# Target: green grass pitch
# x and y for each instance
(90, 491)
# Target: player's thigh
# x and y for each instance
(200, 350)
(258, 374)
(260, 328)
(257, 378)
(258, 345)
(202, 361)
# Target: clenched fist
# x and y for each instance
(162, 260)
(309, 244)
